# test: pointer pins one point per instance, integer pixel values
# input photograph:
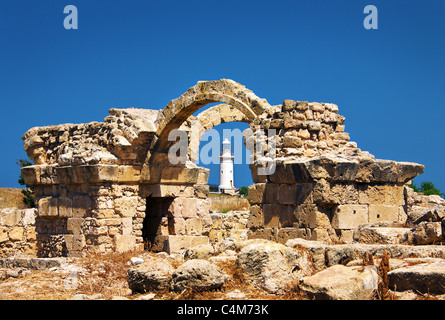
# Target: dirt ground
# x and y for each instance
(104, 277)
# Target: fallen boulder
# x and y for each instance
(380, 235)
(341, 283)
(154, 274)
(199, 275)
(273, 266)
(426, 277)
(427, 232)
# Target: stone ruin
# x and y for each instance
(109, 186)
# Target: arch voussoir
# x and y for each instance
(204, 92)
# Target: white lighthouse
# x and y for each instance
(226, 169)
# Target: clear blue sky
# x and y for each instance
(388, 83)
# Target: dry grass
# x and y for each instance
(11, 198)
(103, 274)
(226, 203)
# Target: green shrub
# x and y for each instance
(28, 192)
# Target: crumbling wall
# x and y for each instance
(323, 186)
(17, 231)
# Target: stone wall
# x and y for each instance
(17, 231)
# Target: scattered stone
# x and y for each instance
(13, 273)
(119, 298)
(236, 294)
(135, 261)
(80, 296)
(149, 296)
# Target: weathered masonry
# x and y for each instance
(109, 186)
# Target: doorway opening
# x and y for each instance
(156, 217)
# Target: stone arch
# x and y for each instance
(225, 90)
(206, 120)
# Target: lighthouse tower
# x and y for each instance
(226, 169)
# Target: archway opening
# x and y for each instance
(239, 175)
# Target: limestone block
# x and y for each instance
(82, 205)
(284, 234)
(256, 193)
(302, 105)
(189, 207)
(43, 205)
(387, 171)
(16, 234)
(74, 225)
(104, 172)
(193, 226)
(255, 218)
(74, 242)
(176, 226)
(178, 175)
(304, 134)
(126, 206)
(332, 168)
(312, 216)
(256, 176)
(342, 283)
(381, 194)
(314, 126)
(278, 216)
(288, 105)
(104, 213)
(53, 207)
(349, 216)
(264, 233)
(178, 243)
(65, 207)
(320, 234)
(292, 142)
(10, 217)
(408, 171)
(127, 226)
(346, 236)
(29, 217)
(3, 234)
(129, 173)
(99, 231)
(216, 235)
(124, 243)
(31, 174)
(326, 193)
(203, 208)
(271, 193)
(383, 212)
